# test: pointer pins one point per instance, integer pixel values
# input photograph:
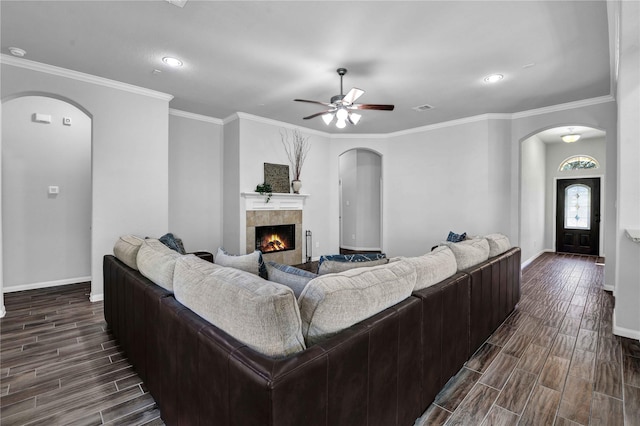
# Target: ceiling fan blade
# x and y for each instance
(352, 95)
(318, 114)
(312, 102)
(372, 106)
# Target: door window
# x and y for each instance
(577, 207)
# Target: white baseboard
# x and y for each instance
(3, 311)
(624, 332)
(34, 286)
(608, 287)
(534, 257)
(96, 297)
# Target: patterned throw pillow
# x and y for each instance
(251, 262)
(456, 238)
(331, 263)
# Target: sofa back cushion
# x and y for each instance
(469, 253)
(498, 244)
(433, 267)
(157, 262)
(126, 250)
(331, 303)
(261, 314)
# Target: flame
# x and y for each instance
(272, 243)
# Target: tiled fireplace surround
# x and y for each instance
(282, 209)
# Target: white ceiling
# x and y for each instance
(256, 57)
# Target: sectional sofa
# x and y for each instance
(383, 370)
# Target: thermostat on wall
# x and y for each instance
(41, 118)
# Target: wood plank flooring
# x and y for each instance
(553, 361)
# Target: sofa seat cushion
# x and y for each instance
(498, 244)
(251, 262)
(126, 250)
(470, 252)
(433, 267)
(331, 303)
(294, 278)
(261, 314)
(157, 262)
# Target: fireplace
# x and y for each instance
(275, 238)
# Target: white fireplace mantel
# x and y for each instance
(256, 201)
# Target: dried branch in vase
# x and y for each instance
(297, 147)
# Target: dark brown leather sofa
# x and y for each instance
(385, 370)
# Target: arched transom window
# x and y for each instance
(578, 163)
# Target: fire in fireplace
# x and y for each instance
(276, 238)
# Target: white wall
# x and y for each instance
(349, 184)
(556, 154)
(533, 195)
(35, 156)
(129, 151)
(626, 315)
(231, 192)
(195, 180)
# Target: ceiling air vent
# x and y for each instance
(422, 107)
(179, 3)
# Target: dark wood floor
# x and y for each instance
(553, 360)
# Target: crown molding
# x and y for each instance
(563, 107)
(272, 122)
(192, 116)
(80, 76)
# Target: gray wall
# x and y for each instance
(54, 229)
(195, 181)
(129, 152)
(360, 176)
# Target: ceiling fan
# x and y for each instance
(341, 106)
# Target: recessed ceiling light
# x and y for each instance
(172, 62)
(493, 78)
(16, 51)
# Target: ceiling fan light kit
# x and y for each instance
(341, 106)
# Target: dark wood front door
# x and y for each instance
(578, 216)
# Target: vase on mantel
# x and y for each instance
(296, 185)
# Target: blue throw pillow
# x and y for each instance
(358, 257)
(456, 238)
(294, 278)
(172, 242)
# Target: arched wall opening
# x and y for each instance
(541, 154)
(46, 183)
(360, 193)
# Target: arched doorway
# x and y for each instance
(46, 192)
(542, 156)
(360, 200)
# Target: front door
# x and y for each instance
(578, 216)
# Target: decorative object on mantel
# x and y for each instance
(265, 189)
(297, 147)
(277, 175)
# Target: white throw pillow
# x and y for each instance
(251, 262)
(157, 262)
(126, 250)
(262, 314)
(498, 244)
(334, 302)
(469, 253)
